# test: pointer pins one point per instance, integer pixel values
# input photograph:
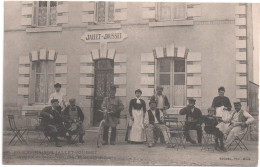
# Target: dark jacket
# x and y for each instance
(195, 116)
(134, 105)
(151, 116)
(80, 113)
(46, 120)
(221, 101)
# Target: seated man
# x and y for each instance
(153, 121)
(239, 121)
(75, 116)
(193, 121)
(211, 122)
(52, 121)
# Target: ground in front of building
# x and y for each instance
(123, 154)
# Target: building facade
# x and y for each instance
(191, 49)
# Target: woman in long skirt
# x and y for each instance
(137, 109)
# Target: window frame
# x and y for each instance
(36, 14)
(158, 12)
(106, 13)
(46, 77)
(172, 73)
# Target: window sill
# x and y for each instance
(104, 26)
(33, 108)
(44, 29)
(171, 23)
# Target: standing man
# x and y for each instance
(75, 116)
(239, 122)
(193, 120)
(58, 95)
(161, 100)
(112, 106)
(52, 121)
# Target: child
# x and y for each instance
(211, 122)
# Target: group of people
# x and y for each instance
(147, 125)
(61, 120)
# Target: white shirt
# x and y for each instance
(160, 104)
(249, 117)
(155, 119)
(59, 96)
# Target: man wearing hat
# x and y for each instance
(58, 95)
(52, 121)
(153, 122)
(113, 106)
(74, 115)
(193, 120)
(239, 121)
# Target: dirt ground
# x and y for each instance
(123, 154)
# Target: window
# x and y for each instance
(171, 75)
(105, 12)
(171, 11)
(42, 79)
(45, 13)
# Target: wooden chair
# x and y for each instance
(174, 130)
(18, 132)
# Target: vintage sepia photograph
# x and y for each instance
(130, 83)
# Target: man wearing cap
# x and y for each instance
(193, 120)
(239, 121)
(52, 121)
(113, 106)
(58, 95)
(153, 121)
(74, 115)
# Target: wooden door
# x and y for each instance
(104, 78)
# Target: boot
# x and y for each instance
(222, 147)
(57, 143)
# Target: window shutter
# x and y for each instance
(62, 13)
(27, 13)
(120, 11)
(149, 10)
(31, 99)
(88, 12)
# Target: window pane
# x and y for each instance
(40, 66)
(164, 79)
(51, 67)
(179, 10)
(165, 65)
(179, 79)
(53, 12)
(110, 12)
(39, 88)
(165, 11)
(179, 95)
(42, 15)
(50, 87)
(179, 65)
(101, 12)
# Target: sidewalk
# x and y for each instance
(123, 154)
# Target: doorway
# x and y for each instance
(104, 78)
